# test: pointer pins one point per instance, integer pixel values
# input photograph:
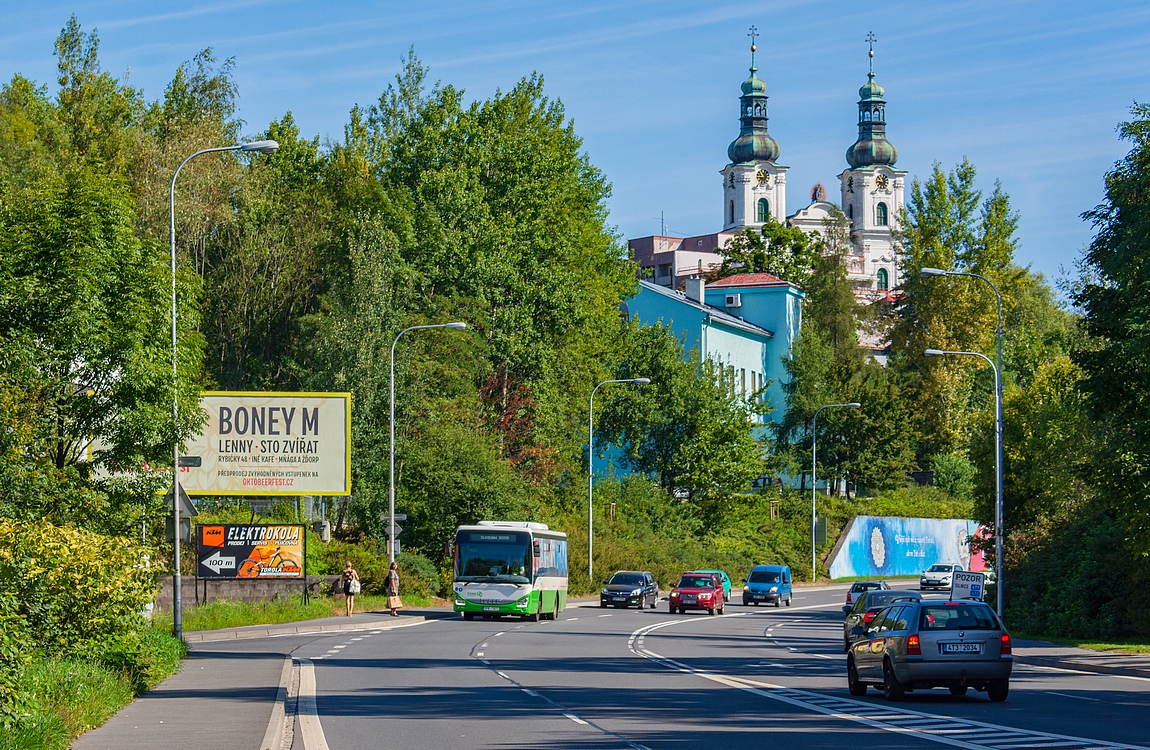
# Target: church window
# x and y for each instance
(850, 215)
(883, 279)
(731, 219)
(764, 209)
(758, 110)
(866, 115)
(880, 215)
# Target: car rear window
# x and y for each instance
(764, 576)
(865, 587)
(958, 617)
(883, 598)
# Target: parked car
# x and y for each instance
(857, 588)
(867, 605)
(698, 589)
(768, 584)
(937, 576)
(726, 579)
(630, 588)
(929, 644)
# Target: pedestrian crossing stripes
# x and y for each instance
(944, 730)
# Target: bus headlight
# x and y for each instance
(460, 603)
(522, 602)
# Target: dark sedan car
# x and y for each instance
(923, 645)
(857, 588)
(867, 605)
(630, 588)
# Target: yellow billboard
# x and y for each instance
(260, 443)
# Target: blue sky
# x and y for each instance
(1029, 91)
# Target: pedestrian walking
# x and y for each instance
(350, 581)
(393, 600)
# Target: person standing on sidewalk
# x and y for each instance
(393, 600)
(350, 580)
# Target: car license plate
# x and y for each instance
(491, 609)
(759, 596)
(961, 648)
(619, 598)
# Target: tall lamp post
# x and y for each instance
(814, 478)
(999, 530)
(391, 428)
(997, 460)
(263, 147)
(591, 472)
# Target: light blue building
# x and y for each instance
(745, 324)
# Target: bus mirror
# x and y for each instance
(535, 548)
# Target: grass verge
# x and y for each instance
(64, 698)
(225, 614)
(1120, 645)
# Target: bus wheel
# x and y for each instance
(468, 615)
(555, 613)
(533, 618)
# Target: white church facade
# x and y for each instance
(755, 189)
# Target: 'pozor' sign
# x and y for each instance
(250, 551)
(272, 444)
(967, 585)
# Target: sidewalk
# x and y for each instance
(223, 696)
(1043, 654)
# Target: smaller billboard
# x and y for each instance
(230, 550)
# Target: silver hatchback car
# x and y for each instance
(922, 645)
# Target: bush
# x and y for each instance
(417, 575)
(73, 587)
(40, 730)
(954, 474)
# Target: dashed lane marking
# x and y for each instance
(1075, 697)
(932, 727)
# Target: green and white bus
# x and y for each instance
(510, 568)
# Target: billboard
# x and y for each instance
(888, 546)
(272, 444)
(231, 550)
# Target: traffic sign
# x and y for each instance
(397, 516)
(186, 507)
(396, 529)
(967, 585)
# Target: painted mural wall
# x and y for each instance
(888, 546)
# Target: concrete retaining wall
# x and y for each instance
(206, 590)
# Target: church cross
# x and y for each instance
(870, 39)
(753, 33)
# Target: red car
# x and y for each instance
(698, 591)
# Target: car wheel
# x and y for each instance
(892, 689)
(468, 615)
(853, 685)
(788, 601)
(602, 605)
(672, 610)
(720, 610)
(746, 603)
(711, 611)
(998, 690)
(778, 603)
(756, 604)
(959, 690)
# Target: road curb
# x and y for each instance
(212, 636)
(1055, 663)
(273, 737)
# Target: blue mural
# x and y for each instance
(887, 546)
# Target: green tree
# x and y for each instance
(1116, 304)
(688, 429)
(84, 321)
(948, 224)
(786, 252)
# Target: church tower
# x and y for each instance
(872, 189)
(754, 187)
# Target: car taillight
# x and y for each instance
(912, 647)
(1006, 649)
(848, 597)
(870, 615)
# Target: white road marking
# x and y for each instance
(956, 732)
(1082, 671)
(496, 635)
(478, 654)
(354, 639)
(482, 645)
(311, 732)
(482, 660)
(1076, 697)
(604, 615)
(569, 619)
(503, 675)
(532, 693)
(821, 656)
(575, 718)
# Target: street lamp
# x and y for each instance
(263, 147)
(590, 469)
(998, 456)
(997, 461)
(814, 479)
(391, 427)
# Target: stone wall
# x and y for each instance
(206, 590)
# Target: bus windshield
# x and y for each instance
(493, 556)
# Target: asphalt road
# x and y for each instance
(596, 678)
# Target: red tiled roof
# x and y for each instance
(749, 279)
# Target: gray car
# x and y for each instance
(923, 645)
